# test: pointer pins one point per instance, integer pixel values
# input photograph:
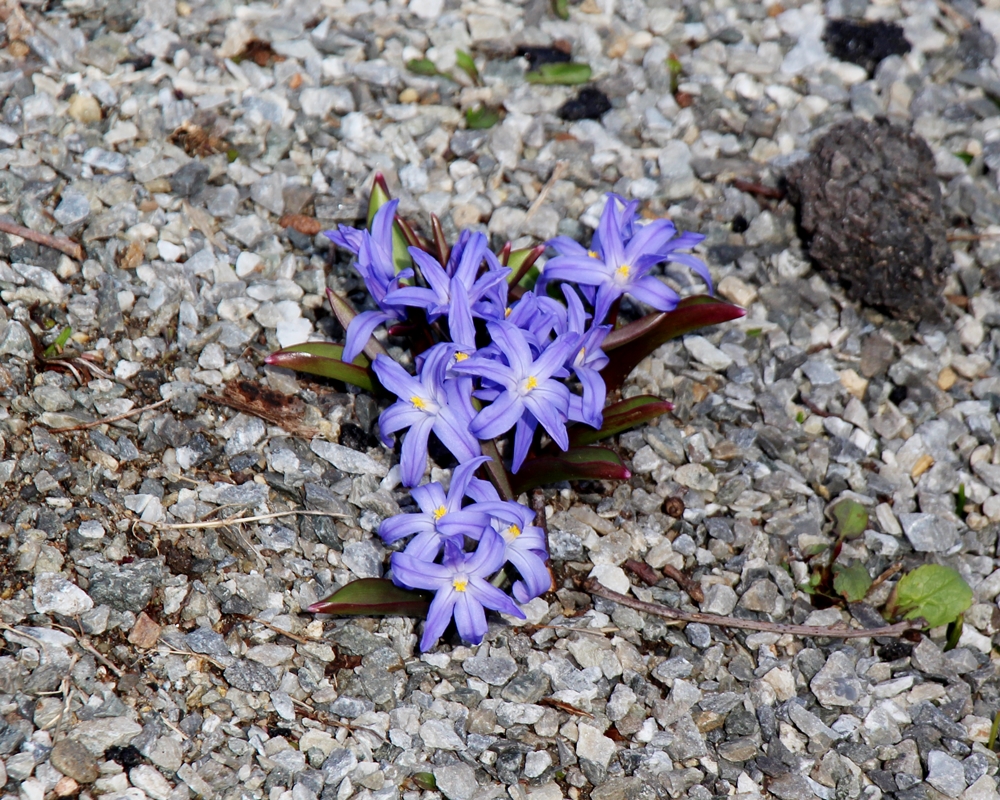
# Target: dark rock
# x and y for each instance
(870, 210)
(864, 43)
(589, 103)
(125, 587)
(249, 676)
(75, 761)
(538, 56)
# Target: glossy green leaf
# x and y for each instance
(581, 463)
(966, 158)
(324, 359)
(633, 342)
(566, 73)
(936, 593)
(373, 597)
(467, 65)
(620, 417)
(56, 347)
(850, 519)
(425, 781)
(954, 633)
(853, 582)
(422, 66)
(561, 8)
(481, 118)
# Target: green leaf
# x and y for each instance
(425, 781)
(954, 633)
(675, 69)
(960, 501)
(481, 118)
(633, 342)
(853, 582)
(991, 743)
(620, 417)
(582, 463)
(232, 154)
(373, 597)
(467, 65)
(56, 347)
(965, 157)
(423, 66)
(378, 198)
(522, 263)
(934, 592)
(561, 8)
(566, 73)
(324, 359)
(810, 586)
(850, 519)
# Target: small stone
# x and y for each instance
(495, 670)
(736, 291)
(169, 251)
(836, 684)
(929, 533)
(946, 774)
(85, 108)
(456, 781)
(267, 191)
(66, 787)
(536, 762)
(74, 761)
(249, 676)
(73, 209)
(347, 460)
(719, 599)
(55, 594)
(189, 179)
(97, 735)
(707, 353)
(614, 578)
(145, 633)
(761, 596)
(594, 746)
(150, 781)
(440, 734)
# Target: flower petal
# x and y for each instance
(470, 618)
(396, 379)
(491, 597)
(360, 330)
(400, 526)
(524, 433)
(654, 292)
(412, 573)
(438, 617)
(413, 458)
(498, 417)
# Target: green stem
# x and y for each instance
(494, 467)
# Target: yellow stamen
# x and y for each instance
(461, 356)
(592, 254)
(623, 271)
(418, 402)
(514, 531)
(460, 584)
(439, 512)
(506, 312)
(531, 383)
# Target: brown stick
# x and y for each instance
(693, 588)
(757, 188)
(83, 426)
(666, 612)
(60, 243)
(892, 570)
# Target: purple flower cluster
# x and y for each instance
(494, 366)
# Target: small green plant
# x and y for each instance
(853, 582)
(567, 73)
(468, 66)
(960, 501)
(561, 8)
(831, 581)
(57, 346)
(965, 157)
(426, 67)
(481, 118)
(934, 593)
(675, 69)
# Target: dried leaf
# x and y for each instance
(271, 406)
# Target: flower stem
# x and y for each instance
(495, 470)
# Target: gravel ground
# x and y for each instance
(145, 659)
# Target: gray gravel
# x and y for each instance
(143, 661)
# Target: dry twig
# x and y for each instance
(60, 243)
(666, 612)
(220, 523)
(84, 426)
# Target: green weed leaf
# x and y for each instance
(481, 118)
(581, 463)
(467, 65)
(936, 593)
(853, 582)
(324, 359)
(620, 417)
(423, 66)
(425, 781)
(850, 519)
(561, 8)
(567, 73)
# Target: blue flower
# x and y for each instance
(526, 547)
(441, 516)
(437, 299)
(586, 363)
(461, 585)
(526, 392)
(378, 270)
(429, 402)
(621, 256)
